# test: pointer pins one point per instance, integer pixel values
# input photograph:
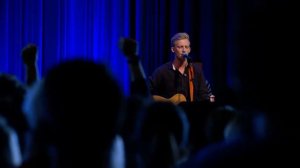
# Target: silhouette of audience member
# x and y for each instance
(134, 105)
(197, 114)
(139, 96)
(139, 90)
(162, 135)
(12, 93)
(217, 121)
(10, 154)
(76, 124)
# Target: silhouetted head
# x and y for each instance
(162, 134)
(80, 111)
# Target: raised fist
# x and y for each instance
(29, 54)
(129, 47)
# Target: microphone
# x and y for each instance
(186, 56)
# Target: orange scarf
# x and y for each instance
(191, 79)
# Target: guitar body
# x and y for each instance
(176, 99)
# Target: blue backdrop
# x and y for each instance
(66, 29)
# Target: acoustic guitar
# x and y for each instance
(176, 99)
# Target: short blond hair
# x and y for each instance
(179, 36)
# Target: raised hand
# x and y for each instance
(29, 54)
(130, 48)
(138, 78)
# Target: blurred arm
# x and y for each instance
(29, 57)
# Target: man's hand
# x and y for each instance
(29, 54)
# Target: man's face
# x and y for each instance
(181, 47)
